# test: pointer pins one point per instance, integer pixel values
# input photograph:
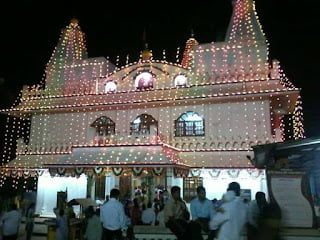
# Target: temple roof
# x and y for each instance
(206, 92)
(131, 156)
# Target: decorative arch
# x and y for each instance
(189, 124)
(144, 80)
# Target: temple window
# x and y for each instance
(180, 80)
(190, 185)
(144, 124)
(110, 87)
(144, 80)
(104, 126)
(189, 124)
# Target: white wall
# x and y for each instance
(248, 120)
(216, 186)
(49, 186)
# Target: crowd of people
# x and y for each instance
(225, 219)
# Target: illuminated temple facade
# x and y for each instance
(91, 125)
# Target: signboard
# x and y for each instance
(295, 207)
(245, 194)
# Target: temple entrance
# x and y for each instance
(125, 187)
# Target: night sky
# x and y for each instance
(30, 31)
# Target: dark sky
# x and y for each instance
(30, 31)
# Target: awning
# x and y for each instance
(292, 154)
(32, 161)
(99, 161)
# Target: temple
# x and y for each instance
(151, 124)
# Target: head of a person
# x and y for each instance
(13, 206)
(175, 192)
(32, 205)
(261, 198)
(90, 211)
(234, 186)
(136, 202)
(201, 192)
(114, 193)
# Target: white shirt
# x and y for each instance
(231, 222)
(10, 222)
(112, 215)
(160, 218)
(148, 216)
(202, 209)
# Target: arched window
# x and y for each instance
(189, 124)
(110, 87)
(144, 124)
(144, 80)
(104, 126)
(180, 80)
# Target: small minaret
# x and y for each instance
(146, 54)
(187, 58)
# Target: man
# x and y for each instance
(201, 211)
(176, 214)
(62, 225)
(30, 215)
(232, 218)
(255, 211)
(93, 227)
(10, 222)
(113, 217)
(148, 216)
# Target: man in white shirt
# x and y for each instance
(113, 217)
(10, 223)
(232, 218)
(148, 216)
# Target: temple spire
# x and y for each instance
(244, 25)
(187, 58)
(70, 48)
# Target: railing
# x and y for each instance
(142, 232)
(126, 140)
(183, 143)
